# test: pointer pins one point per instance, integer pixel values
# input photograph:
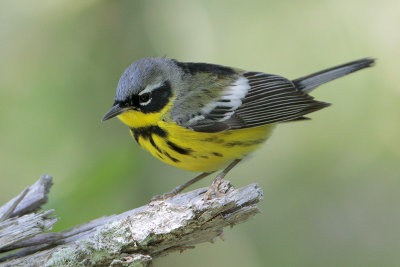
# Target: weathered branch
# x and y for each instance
(132, 238)
(30, 200)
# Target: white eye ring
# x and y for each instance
(147, 93)
(145, 99)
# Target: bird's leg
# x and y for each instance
(218, 180)
(180, 188)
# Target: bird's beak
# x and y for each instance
(115, 111)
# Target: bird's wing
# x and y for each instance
(253, 99)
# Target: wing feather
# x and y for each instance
(254, 99)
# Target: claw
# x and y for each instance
(163, 196)
(215, 188)
(218, 181)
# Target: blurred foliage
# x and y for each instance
(331, 184)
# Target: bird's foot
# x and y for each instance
(219, 187)
(164, 196)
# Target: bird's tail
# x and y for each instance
(309, 82)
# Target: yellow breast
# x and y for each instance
(190, 150)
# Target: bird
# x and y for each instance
(204, 117)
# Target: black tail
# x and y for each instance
(309, 82)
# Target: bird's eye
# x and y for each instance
(144, 98)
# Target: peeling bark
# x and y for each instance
(132, 238)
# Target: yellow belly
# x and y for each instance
(194, 151)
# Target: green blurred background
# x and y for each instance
(331, 184)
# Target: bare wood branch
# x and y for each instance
(30, 200)
(7, 210)
(15, 230)
(136, 237)
(16, 226)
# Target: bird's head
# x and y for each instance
(145, 88)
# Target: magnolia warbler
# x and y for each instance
(203, 117)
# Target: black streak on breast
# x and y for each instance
(180, 150)
(146, 132)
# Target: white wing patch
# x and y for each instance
(236, 92)
(230, 100)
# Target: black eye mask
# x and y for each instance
(159, 98)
